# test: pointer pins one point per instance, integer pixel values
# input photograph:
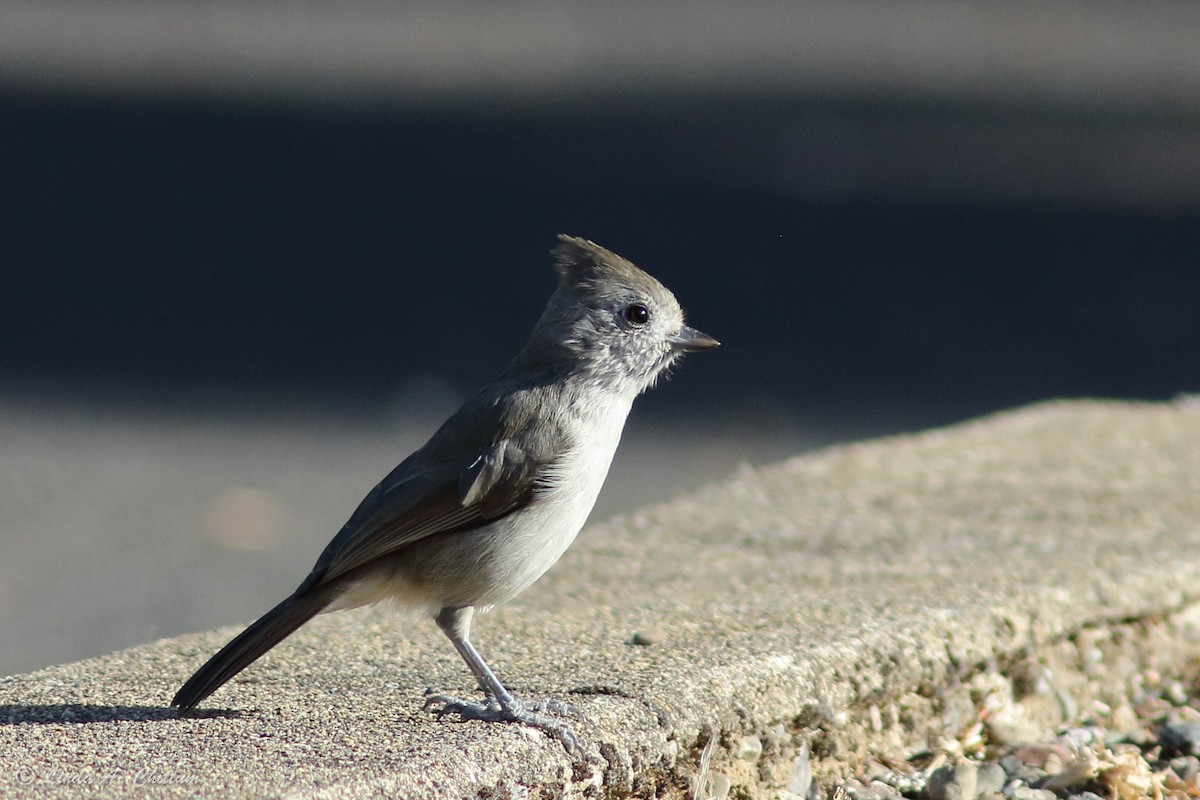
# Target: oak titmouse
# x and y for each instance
(500, 490)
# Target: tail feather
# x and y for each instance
(270, 629)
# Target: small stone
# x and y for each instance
(1049, 758)
(1029, 793)
(646, 637)
(1122, 718)
(854, 790)
(670, 753)
(1009, 726)
(749, 748)
(1018, 770)
(989, 778)
(1076, 773)
(966, 776)
(1086, 796)
(1080, 739)
(1176, 693)
(719, 785)
(953, 782)
(1181, 737)
(1011, 764)
(1186, 767)
(801, 777)
(938, 787)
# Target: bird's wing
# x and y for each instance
(412, 503)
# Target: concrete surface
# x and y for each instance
(839, 603)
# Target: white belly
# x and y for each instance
(535, 537)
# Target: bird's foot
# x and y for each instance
(531, 713)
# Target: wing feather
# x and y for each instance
(411, 504)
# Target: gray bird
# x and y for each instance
(502, 488)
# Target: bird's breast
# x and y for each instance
(492, 563)
(538, 535)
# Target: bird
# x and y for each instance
(501, 489)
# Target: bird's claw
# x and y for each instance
(552, 706)
(442, 704)
(531, 713)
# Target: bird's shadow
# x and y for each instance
(84, 713)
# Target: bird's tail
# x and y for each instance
(270, 629)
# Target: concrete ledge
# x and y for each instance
(870, 598)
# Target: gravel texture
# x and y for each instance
(1146, 744)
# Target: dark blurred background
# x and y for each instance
(250, 253)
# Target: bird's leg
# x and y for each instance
(500, 705)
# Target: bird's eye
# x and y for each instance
(637, 314)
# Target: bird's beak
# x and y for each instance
(689, 340)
